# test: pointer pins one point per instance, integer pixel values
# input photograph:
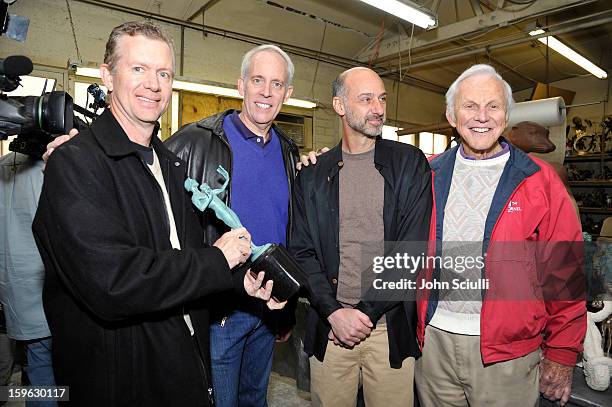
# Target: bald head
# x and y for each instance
(339, 86)
(360, 100)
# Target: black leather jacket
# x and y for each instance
(203, 145)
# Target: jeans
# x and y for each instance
(40, 370)
(241, 347)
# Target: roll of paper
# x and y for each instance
(545, 112)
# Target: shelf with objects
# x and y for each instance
(588, 162)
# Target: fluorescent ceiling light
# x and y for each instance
(306, 104)
(203, 88)
(570, 54)
(404, 11)
(230, 92)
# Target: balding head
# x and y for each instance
(360, 100)
(339, 86)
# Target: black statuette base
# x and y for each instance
(280, 267)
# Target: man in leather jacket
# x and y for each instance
(261, 161)
(363, 192)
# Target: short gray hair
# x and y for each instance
(246, 61)
(338, 88)
(480, 69)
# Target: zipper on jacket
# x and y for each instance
(484, 273)
(290, 181)
(287, 145)
(210, 393)
(207, 382)
(211, 396)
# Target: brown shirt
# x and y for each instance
(361, 233)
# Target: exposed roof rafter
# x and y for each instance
(209, 4)
(389, 47)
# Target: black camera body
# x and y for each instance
(51, 113)
(33, 119)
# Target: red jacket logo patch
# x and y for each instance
(513, 206)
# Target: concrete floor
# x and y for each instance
(283, 392)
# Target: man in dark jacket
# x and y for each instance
(363, 192)
(261, 160)
(125, 269)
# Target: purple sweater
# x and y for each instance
(260, 190)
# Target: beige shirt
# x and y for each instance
(174, 240)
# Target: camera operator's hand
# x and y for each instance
(58, 141)
(235, 245)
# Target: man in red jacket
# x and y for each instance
(510, 325)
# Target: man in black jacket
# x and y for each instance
(363, 192)
(261, 161)
(126, 271)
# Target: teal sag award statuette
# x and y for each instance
(271, 258)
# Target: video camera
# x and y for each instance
(35, 120)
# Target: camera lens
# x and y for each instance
(51, 112)
(55, 114)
